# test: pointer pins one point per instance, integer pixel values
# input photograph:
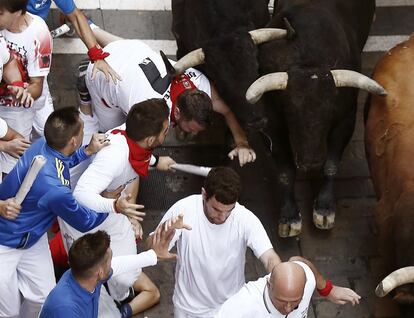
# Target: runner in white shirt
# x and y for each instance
(286, 292)
(11, 142)
(144, 76)
(28, 39)
(112, 170)
(211, 257)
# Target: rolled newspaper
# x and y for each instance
(197, 170)
(37, 163)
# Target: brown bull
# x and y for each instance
(389, 142)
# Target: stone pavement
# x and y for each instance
(347, 254)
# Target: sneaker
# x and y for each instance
(84, 96)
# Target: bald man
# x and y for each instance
(286, 292)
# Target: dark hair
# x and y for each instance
(195, 105)
(87, 252)
(61, 126)
(146, 119)
(14, 5)
(223, 183)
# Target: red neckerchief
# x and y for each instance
(139, 158)
(179, 85)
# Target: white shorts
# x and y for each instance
(108, 117)
(123, 242)
(26, 271)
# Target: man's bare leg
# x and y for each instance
(148, 294)
(103, 37)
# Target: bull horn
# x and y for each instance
(396, 278)
(269, 82)
(191, 59)
(348, 78)
(260, 36)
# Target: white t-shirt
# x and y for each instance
(32, 48)
(211, 258)
(109, 169)
(4, 55)
(253, 300)
(129, 58)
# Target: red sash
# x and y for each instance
(179, 85)
(139, 158)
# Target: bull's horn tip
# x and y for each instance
(383, 93)
(252, 99)
(379, 291)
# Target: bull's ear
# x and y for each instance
(291, 33)
(168, 66)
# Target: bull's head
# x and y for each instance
(310, 106)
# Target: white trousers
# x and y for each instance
(28, 272)
(108, 117)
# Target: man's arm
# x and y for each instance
(79, 21)
(270, 259)
(96, 179)
(338, 295)
(98, 141)
(242, 150)
(35, 87)
(13, 143)
(11, 75)
(61, 202)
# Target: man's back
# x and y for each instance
(49, 196)
(143, 76)
(69, 300)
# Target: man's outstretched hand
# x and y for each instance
(342, 295)
(163, 235)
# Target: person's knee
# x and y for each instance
(144, 283)
(155, 293)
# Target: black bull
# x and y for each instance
(220, 28)
(311, 121)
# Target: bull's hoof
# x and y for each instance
(290, 229)
(324, 221)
